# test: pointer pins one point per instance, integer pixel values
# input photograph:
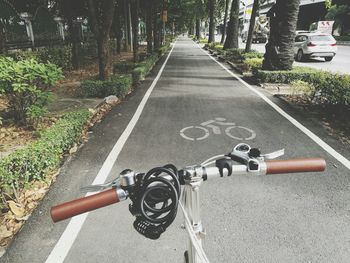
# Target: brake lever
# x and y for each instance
(100, 187)
(273, 155)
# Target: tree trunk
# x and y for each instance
(135, 29)
(248, 45)
(118, 27)
(103, 58)
(198, 29)
(227, 3)
(279, 53)
(126, 28)
(156, 38)
(149, 28)
(129, 26)
(101, 18)
(232, 27)
(211, 21)
(2, 38)
(76, 43)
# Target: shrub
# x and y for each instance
(333, 88)
(118, 85)
(252, 54)
(303, 88)
(253, 63)
(284, 76)
(143, 68)
(25, 84)
(60, 56)
(233, 54)
(42, 156)
(163, 49)
(239, 54)
(123, 67)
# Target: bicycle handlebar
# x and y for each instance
(295, 165)
(115, 195)
(155, 194)
(84, 204)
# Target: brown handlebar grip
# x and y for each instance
(295, 165)
(84, 204)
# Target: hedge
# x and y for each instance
(42, 156)
(333, 88)
(139, 73)
(252, 63)
(342, 38)
(124, 67)
(119, 85)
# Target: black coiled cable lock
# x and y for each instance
(155, 200)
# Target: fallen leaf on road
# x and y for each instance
(16, 209)
(74, 149)
(25, 218)
(4, 232)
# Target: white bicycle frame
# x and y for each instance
(191, 205)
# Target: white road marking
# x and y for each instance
(297, 124)
(61, 249)
(216, 130)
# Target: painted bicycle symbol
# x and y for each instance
(197, 133)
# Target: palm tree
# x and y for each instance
(279, 53)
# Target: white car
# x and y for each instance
(314, 44)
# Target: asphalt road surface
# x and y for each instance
(275, 218)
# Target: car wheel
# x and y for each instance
(300, 55)
(328, 58)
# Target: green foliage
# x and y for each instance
(60, 56)
(285, 76)
(144, 67)
(119, 85)
(342, 38)
(163, 49)
(253, 63)
(238, 54)
(328, 3)
(42, 156)
(203, 40)
(306, 89)
(333, 88)
(252, 54)
(123, 67)
(24, 83)
(341, 16)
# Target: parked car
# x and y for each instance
(314, 44)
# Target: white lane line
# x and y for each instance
(297, 124)
(62, 247)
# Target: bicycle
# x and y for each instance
(155, 195)
(213, 125)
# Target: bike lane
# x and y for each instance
(279, 218)
(276, 218)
